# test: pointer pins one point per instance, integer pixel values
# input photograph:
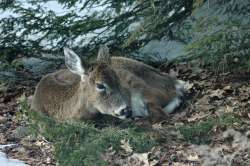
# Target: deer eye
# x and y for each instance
(100, 87)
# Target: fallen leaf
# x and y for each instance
(216, 93)
(229, 109)
(198, 116)
(141, 158)
(179, 164)
(187, 85)
(193, 157)
(126, 146)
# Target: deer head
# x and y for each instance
(102, 90)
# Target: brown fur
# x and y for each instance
(156, 88)
(64, 96)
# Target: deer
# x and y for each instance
(116, 86)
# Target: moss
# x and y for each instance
(201, 132)
(17, 64)
(197, 133)
(228, 119)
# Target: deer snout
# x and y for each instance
(127, 112)
(124, 112)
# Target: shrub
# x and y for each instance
(226, 49)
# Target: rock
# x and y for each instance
(161, 50)
(3, 87)
(19, 132)
(36, 65)
(7, 74)
(7, 78)
(3, 119)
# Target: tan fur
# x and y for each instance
(157, 89)
(57, 94)
(64, 96)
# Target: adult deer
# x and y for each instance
(117, 86)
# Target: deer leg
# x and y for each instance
(156, 113)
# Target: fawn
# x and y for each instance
(117, 86)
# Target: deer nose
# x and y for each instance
(127, 112)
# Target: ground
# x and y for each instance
(211, 128)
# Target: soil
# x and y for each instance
(208, 95)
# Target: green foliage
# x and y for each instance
(217, 35)
(158, 20)
(4, 4)
(104, 21)
(23, 108)
(17, 64)
(228, 119)
(200, 132)
(79, 143)
(197, 4)
(224, 50)
(239, 7)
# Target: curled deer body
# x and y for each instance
(117, 86)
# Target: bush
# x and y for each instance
(226, 49)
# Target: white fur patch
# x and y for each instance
(138, 106)
(179, 86)
(118, 110)
(172, 105)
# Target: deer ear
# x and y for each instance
(73, 63)
(104, 55)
